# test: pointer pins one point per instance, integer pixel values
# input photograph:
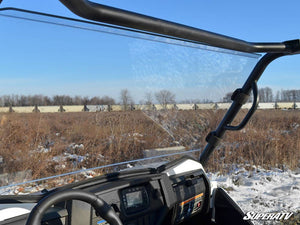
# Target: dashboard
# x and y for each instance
(171, 194)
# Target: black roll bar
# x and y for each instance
(239, 99)
(111, 15)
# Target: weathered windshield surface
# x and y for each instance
(78, 100)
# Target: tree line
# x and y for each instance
(163, 97)
(41, 100)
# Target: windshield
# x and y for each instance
(79, 99)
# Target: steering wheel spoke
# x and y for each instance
(102, 208)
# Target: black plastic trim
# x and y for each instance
(227, 210)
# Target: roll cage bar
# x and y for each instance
(150, 25)
(107, 14)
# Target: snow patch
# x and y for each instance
(261, 190)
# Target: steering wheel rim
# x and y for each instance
(103, 209)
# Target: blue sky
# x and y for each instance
(256, 21)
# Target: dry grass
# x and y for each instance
(26, 139)
(271, 139)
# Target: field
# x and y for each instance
(55, 143)
(259, 166)
(37, 142)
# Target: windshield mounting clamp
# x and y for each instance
(213, 139)
(239, 96)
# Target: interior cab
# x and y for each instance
(169, 192)
(176, 193)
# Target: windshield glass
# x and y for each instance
(78, 100)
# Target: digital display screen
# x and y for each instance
(134, 199)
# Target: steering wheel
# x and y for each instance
(103, 209)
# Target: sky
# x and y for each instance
(253, 21)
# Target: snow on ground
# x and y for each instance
(259, 190)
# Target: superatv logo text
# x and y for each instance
(267, 216)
